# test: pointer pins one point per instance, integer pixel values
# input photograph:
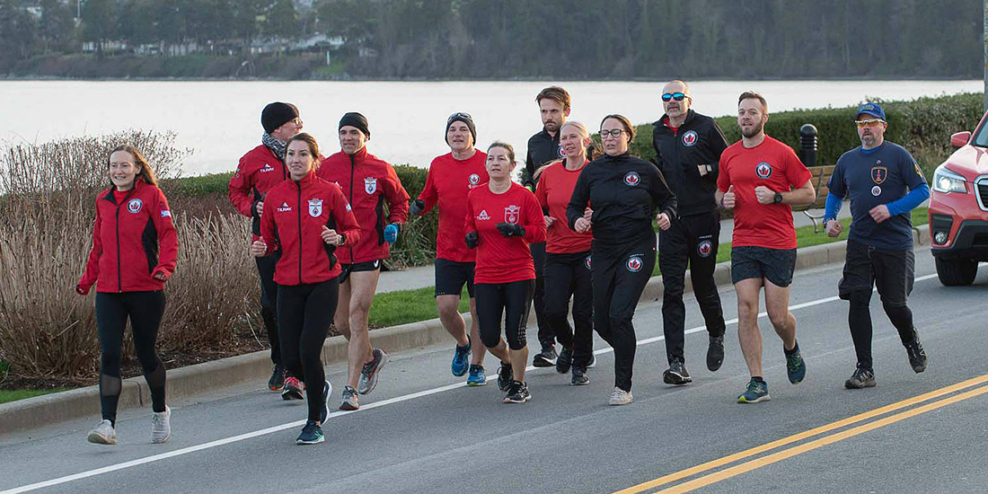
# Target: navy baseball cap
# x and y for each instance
(872, 109)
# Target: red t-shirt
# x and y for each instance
(448, 183)
(774, 165)
(554, 191)
(503, 259)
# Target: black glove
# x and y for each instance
(416, 207)
(472, 240)
(511, 230)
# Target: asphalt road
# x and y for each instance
(422, 431)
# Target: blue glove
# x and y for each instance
(391, 233)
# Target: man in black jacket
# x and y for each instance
(688, 147)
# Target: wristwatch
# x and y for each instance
(778, 198)
(342, 240)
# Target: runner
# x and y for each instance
(370, 184)
(306, 220)
(688, 147)
(880, 243)
(543, 148)
(568, 260)
(761, 179)
(451, 177)
(502, 219)
(258, 172)
(134, 252)
(623, 191)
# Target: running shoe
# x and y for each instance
(677, 374)
(620, 397)
(592, 362)
(564, 361)
(349, 399)
(277, 380)
(579, 376)
(161, 427)
(477, 376)
(715, 353)
(327, 391)
(862, 378)
(546, 358)
(292, 389)
(461, 359)
(372, 369)
(917, 356)
(757, 391)
(517, 393)
(504, 376)
(311, 434)
(795, 366)
(103, 433)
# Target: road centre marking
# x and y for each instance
(299, 423)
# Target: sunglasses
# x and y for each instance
(873, 122)
(675, 96)
(459, 116)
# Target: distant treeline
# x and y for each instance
(558, 39)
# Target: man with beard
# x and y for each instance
(761, 179)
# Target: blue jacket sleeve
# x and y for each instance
(834, 203)
(909, 202)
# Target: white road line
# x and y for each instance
(371, 406)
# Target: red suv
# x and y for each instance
(959, 208)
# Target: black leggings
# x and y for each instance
(304, 315)
(511, 299)
(145, 310)
(269, 300)
(568, 275)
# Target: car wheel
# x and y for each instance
(956, 272)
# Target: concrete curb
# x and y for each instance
(256, 367)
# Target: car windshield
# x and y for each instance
(981, 138)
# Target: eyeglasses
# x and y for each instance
(675, 96)
(459, 116)
(604, 134)
(873, 122)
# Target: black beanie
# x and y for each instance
(277, 114)
(465, 118)
(357, 120)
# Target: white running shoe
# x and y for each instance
(621, 397)
(103, 433)
(161, 427)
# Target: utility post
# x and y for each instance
(985, 36)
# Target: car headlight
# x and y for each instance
(946, 181)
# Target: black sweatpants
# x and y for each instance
(568, 275)
(691, 241)
(619, 277)
(269, 300)
(509, 299)
(145, 310)
(304, 315)
(546, 334)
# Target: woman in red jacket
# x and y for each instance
(134, 252)
(305, 219)
(503, 218)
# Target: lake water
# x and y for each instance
(220, 120)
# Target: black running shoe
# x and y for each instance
(862, 378)
(677, 374)
(715, 353)
(547, 358)
(311, 434)
(564, 361)
(504, 376)
(277, 380)
(327, 390)
(917, 356)
(517, 393)
(579, 376)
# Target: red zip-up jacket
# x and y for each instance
(448, 183)
(369, 183)
(258, 172)
(292, 221)
(133, 239)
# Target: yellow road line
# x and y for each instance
(689, 472)
(818, 443)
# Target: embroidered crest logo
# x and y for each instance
(511, 214)
(632, 179)
(370, 185)
(315, 208)
(705, 248)
(635, 264)
(483, 216)
(879, 174)
(763, 170)
(690, 138)
(586, 262)
(876, 191)
(474, 179)
(559, 152)
(135, 205)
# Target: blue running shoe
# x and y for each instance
(757, 391)
(795, 366)
(311, 434)
(461, 359)
(477, 376)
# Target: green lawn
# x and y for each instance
(7, 396)
(405, 306)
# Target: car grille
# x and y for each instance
(982, 185)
